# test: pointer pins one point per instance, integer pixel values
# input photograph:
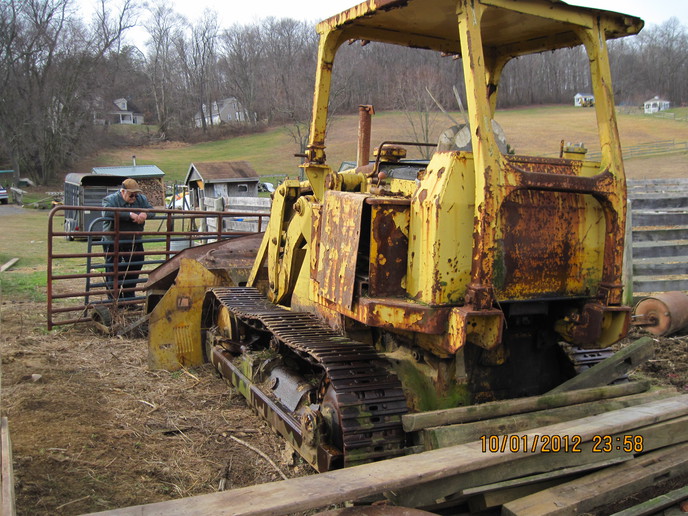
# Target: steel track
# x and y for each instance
(369, 397)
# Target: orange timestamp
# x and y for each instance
(542, 443)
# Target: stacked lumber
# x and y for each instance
(565, 452)
(475, 477)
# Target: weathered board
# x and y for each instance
(602, 487)
(301, 494)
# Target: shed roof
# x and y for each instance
(221, 172)
(136, 171)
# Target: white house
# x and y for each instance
(119, 112)
(583, 100)
(225, 110)
(655, 105)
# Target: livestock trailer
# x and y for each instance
(89, 189)
(86, 190)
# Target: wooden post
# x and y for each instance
(521, 471)
(413, 422)
(7, 507)
(443, 436)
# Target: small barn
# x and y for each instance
(583, 100)
(656, 105)
(218, 180)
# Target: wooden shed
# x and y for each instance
(218, 180)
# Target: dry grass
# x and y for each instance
(536, 130)
(99, 430)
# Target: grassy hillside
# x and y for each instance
(535, 130)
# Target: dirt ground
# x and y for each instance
(98, 430)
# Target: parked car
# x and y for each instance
(266, 187)
(4, 198)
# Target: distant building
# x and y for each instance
(120, 111)
(211, 182)
(655, 105)
(583, 100)
(224, 186)
(221, 111)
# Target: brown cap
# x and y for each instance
(130, 185)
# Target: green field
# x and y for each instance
(533, 130)
(529, 130)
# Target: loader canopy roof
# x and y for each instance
(509, 27)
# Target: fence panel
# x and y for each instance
(109, 268)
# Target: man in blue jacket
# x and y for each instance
(131, 255)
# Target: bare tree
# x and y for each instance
(48, 81)
(164, 27)
(197, 55)
(241, 62)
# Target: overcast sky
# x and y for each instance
(243, 11)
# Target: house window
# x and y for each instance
(242, 188)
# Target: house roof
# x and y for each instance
(656, 99)
(136, 171)
(131, 107)
(221, 172)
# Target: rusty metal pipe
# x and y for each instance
(662, 314)
(365, 113)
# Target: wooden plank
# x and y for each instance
(656, 504)
(413, 422)
(304, 493)
(533, 479)
(443, 436)
(603, 487)
(611, 368)
(655, 436)
(8, 264)
(491, 499)
(7, 504)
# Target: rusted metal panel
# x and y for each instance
(542, 252)
(174, 337)
(339, 240)
(224, 254)
(596, 325)
(389, 230)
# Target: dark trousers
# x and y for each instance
(130, 258)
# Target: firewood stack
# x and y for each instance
(154, 189)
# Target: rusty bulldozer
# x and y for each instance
(399, 287)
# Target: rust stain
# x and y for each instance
(386, 273)
(423, 195)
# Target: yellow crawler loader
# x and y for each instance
(392, 287)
